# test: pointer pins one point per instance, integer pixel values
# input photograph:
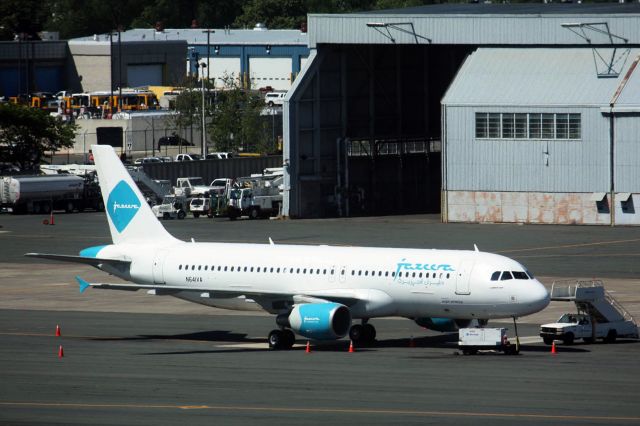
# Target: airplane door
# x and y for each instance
(332, 273)
(158, 266)
(463, 277)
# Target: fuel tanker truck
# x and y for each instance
(41, 194)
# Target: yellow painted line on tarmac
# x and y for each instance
(320, 410)
(600, 243)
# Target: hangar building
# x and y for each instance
(258, 57)
(425, 110)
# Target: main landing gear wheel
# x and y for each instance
(281, 339)
(362, 334)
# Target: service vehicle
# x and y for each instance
(191, 187)
(172, 207)
(472, 340)
(201, 206)
(599, 316)
(571, 327)
(41, 194)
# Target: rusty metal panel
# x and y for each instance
(528, 207)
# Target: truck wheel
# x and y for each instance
(196, 215)
(612, 335)
(181, 214)
(254, 213)
(547, 340)
(100, 206)
(165, 216)
(69, 208)
(46, 208)
(568, 339)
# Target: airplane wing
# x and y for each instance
(93, 261)
(346, 297)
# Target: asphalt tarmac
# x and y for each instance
(131, 358)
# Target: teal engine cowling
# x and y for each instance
(320, 321)
(443, 324)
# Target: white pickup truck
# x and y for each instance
(579, 326)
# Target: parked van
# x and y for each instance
(274, 98)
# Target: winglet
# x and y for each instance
(83, 284)
(475, 247)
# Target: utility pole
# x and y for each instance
(203, 65)
(208, 32)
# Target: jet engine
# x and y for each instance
(320, 321)
(443, 324)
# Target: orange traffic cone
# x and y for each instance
(351, 349)
(308, 349)
(51, 222)
(57, 331)
(553, 348)
(412, 343)
(60, 352)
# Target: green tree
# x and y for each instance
(22, 17)
(236, 123)
(26, 134)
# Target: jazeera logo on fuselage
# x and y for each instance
(403, 265)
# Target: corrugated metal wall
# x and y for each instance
(472, 29)
(627, 152)
(524, 165)
(211, 169)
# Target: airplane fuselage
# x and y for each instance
(410, 283)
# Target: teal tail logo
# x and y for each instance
(122, 205)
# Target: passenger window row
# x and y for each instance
(309, 271)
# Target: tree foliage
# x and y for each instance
(236, 124)
(26, 134)
(80, 18)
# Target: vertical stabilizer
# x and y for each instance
(130, 217)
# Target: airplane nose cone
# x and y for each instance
(538, 296)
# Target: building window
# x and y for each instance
(506, 125)
(535, 126)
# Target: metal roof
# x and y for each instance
(542, 77)
(198, 36)
(513, 9)
(481, 24)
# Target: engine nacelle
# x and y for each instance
(443, 324)
(320, 321)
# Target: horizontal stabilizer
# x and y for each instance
(93, 261)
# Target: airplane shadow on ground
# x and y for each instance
(229, 338)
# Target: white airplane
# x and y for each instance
(314, 291)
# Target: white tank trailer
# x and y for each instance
(41, 194)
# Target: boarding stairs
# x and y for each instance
(590, 297)
(149, 186)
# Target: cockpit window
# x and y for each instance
(530, 274)
(495, 276)
(506, 275)
(519, 275)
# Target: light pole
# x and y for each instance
(203, 65)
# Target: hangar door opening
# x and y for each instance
(369, 129)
